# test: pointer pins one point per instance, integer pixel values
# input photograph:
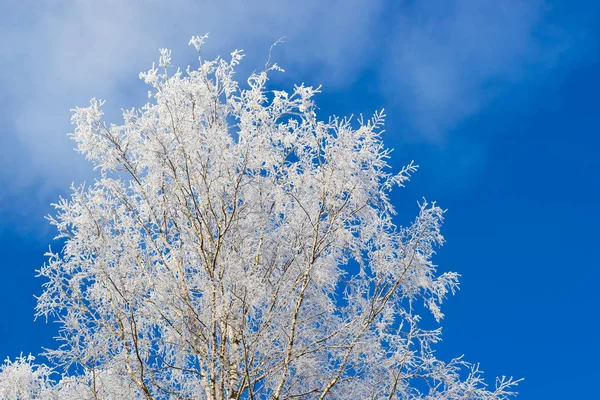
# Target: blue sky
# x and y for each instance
(495, 100)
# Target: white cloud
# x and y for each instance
(61, 53)
(438, 61)
(451, 58)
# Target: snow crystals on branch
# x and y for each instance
(238, 247)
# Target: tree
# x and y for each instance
(236, 247)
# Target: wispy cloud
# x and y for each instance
(450, 58)
(440, 61)
(64, 52)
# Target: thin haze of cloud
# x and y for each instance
(66, 52)
(451, 59)
(437, 62)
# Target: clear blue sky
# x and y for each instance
(495, 100)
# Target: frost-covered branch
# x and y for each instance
(238, 247)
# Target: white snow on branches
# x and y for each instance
(237, 247)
